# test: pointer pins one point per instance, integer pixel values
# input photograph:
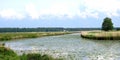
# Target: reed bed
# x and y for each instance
(21, 35)
(101, 35)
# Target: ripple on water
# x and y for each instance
(71, 47)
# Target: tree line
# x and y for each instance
(107, 25)
(50, 29)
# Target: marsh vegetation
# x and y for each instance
(101, 35)
(21, 35)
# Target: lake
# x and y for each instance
(69, 47)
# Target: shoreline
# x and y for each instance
(101, 35)
(6, 53)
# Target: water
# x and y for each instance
(69, 47)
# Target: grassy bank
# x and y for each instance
(8, 54)
(101, 35)
(21, 35)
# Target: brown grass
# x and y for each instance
(101, 35)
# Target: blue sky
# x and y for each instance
(58, 13)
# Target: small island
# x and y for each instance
(107, 32)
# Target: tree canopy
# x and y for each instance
(107, 24)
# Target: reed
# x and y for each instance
(101, 35)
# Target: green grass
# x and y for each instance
(33, 56)
(8, 54)
(101, 35)
(12, 36)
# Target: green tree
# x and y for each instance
(107, 24)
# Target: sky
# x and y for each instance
(58, 13)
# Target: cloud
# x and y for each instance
(108, 7)
(64, 8)
(31, 10)
(57, 9)
(10, 13)
(60, 9)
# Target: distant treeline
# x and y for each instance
(117, 28)
(44, 29)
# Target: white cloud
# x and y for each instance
(109, 7)
(55, 9)
(60, 9)
(65, 8)
(86, 13)
(10, 13)
(31, 10)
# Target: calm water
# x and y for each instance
(70, 47)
